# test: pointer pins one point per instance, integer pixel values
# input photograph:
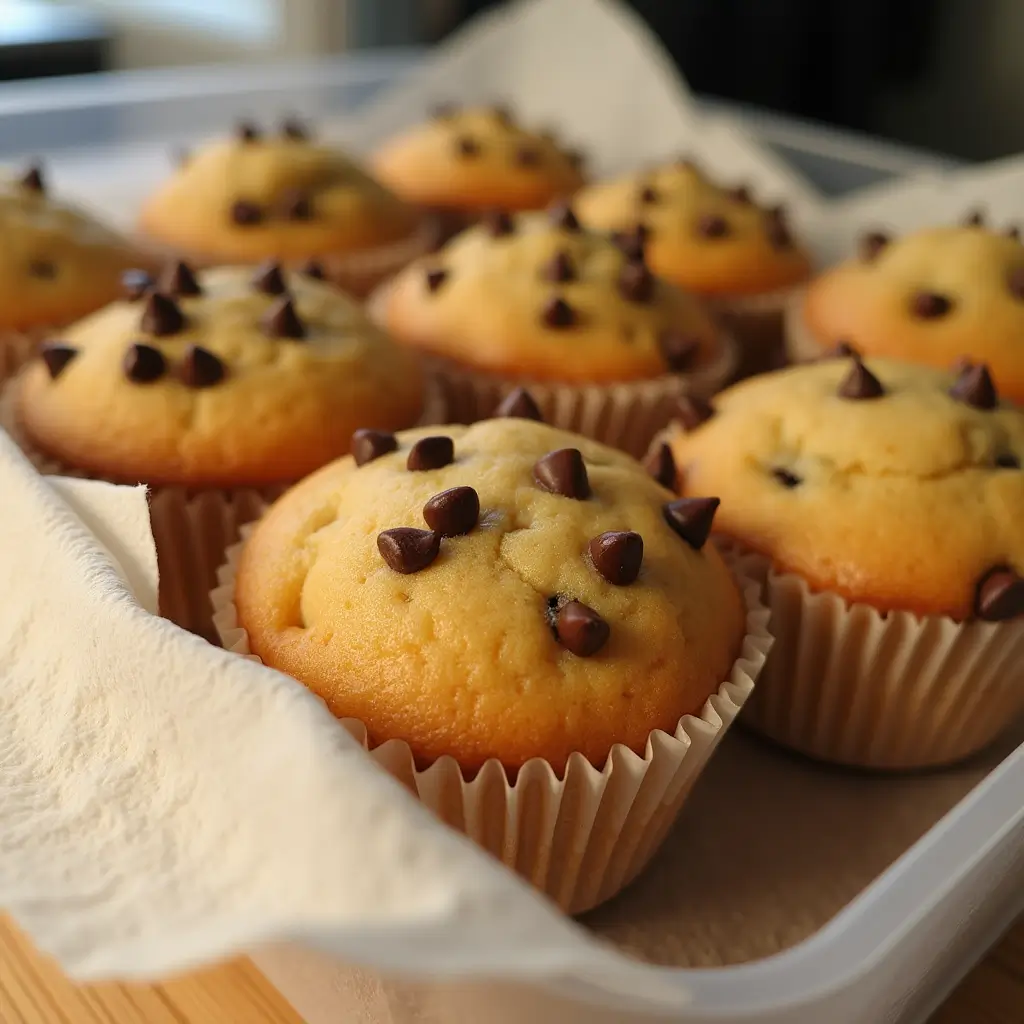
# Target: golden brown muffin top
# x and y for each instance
(895, 485)
(221, 378)
(475, 158)
(505, 590)
(710, 239)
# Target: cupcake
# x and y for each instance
(57, 264)
(464, 162)
(604, 346)
(525, 626)
(713, 241)
(225, 383)
(284, 196)
(885, 501)
(930, 297)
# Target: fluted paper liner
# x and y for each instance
(888, 690)
(758, 324)
(17, 347)
(582, 838)
(801, 344)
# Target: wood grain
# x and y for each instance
(33, 991)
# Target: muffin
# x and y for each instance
(885, 500)
(463, 162)
(506, 601)
(57, 264)
(930, 297)
(536, 300)
(714, 241)
(224, 382)
(283, 196)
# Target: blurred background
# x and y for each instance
(944, 75)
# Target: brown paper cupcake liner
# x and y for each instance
(17, 347)
(801, 345)
(758, 324)
(849, 684)
(583, 837)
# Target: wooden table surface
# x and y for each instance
(33, 991)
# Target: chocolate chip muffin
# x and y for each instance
(930, 297)
(887, 499)
(713, 240)
(604, 344)
(282, 195)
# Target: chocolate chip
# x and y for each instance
(930, 305)
(314, 269)
(453, 512)
(294, 129)
(45, 270)
(527, 156)
(872, 244)
(297, 205)
(661, 464)
(178, 279)
(502, 114)
(435, 277)
(649, 194)
(135, 284)
(678, 349)
(685, 163)
(269, 278)
(777, 229)
(247, 131)
(741, 193)
(691, 518)
(443, 111)
(161, 316)
(498, 223)
(975, 219)
(786, 478)
(563, 472)
(712, 225)
(632, 242)
(562, 216)
(841, 350)
(281, 320)
(559, 268)
(1007, 461)
(636, 282)
(407, 550)
(246, 213)
(860, 384)
(144, 363)
(33, 179)
(576, 158)
(519, 404)
(692, 411)
(558, 313)
(617, 556)
(999, 595)
(1015, 282)
(368, 445)
(56, 356)
(974, 387)
(466, 146)
(431, 453)
(201, 368)
(580, 629)
(1013, 232)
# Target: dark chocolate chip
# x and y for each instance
(1013, 231)
(576, 158)
(56, 356)
(502, 114)
(563, 472)
(649, 194)
(562, 216)
(527, 156)
(559, 268)
(144, 364)
(519, 404)
(617, 556)
(407, 550)
(558, 313)
(777, 228)
(661, 464)
(692, 411)
(246, 213)
(975, 219)
(435, 277)
(201, 368)
(45, 270)
(974, 387)
(294, 129)
(860, 384)
(999, 595)
(1015, 282)
(498, 223)
(1007, 461)
(786, 478)
(741, 193)
(431, 453)
(297, 205)
(467, 146)
(33, 179)
(368, 445)
(135, 284)
(247, 131)
(636, 282)
(678, 349)
(580, 629)
(282, 321)
(632, 242)
(691, 518)
(712, 225)
(314, 269)
(178, 279)
(841, 350)
(685, 163)
(453, 512)
(269, 278)
(161, 316)
(930, 305)
(872, 244)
